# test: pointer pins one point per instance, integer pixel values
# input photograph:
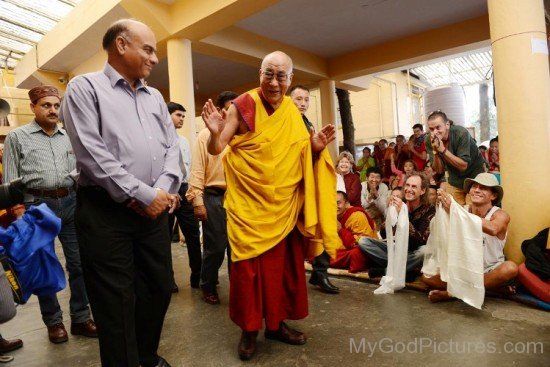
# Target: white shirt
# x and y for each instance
(185, 151)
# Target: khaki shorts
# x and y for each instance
(459, 195)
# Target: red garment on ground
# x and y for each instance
(350, 258)
(271, 286)
(538, 287)
(353, 260)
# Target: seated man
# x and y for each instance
(484, 192)
(353, 223)
(374, 195)
(420, 214)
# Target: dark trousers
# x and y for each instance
(128, 273)
(189, 226)
(215, 242)
(321, 263)
(64, 208)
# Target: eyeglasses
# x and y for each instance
(281, 77)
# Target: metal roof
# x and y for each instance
(464, 70)
(23, 23)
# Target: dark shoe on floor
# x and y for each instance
(162, 363)
(86, 328)
(57, 333)
(175, 288)
(247, 345)
(195, 280)
(9, 345)
(286, 335)
(210, 298)
(377, 272)
(321, 280)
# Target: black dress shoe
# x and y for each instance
(247, 345)
(321, 280)
(162, 363)
(9, 345)
(195, 280)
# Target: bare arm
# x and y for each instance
(497, 225)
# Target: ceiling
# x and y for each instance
(23, 23)
(468, 69)
(325, 29)
(331, 28)
(211, 75)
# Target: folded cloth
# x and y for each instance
(29, 245)
(397, 246)
(455, 251)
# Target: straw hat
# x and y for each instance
(485, 179)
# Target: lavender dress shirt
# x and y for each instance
(123, 140)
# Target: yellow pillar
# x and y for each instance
(180, 74)
(522, 82)
(327, 89)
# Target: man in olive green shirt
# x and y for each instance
(452, 148)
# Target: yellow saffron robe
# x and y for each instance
(273, 185)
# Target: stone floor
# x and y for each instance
(354, 328)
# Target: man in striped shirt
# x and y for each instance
(41, 154)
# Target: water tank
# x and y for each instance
(449, 99)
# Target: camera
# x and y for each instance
(12, 193)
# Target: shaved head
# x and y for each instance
(131, 49)
(124, 27)
(277, 58)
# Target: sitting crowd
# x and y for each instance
(426, 173)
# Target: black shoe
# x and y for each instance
(377, 272)
(321, 280)
(195, 280)
(162, 363)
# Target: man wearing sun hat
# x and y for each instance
(485, 192)
(41, 154)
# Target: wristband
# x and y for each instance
(443, 152)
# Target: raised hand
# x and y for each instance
(319, 140)
(214, 120)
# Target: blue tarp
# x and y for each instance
(29, 245)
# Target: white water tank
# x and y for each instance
(449, 99)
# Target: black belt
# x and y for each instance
(214, 191)
(55, 193)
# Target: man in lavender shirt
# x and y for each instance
(127, 155)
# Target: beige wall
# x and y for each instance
(382, 110)
(18, 100)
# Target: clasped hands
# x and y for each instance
(437, 143)
(444, 199)
(163, 201)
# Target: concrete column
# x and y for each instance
(180, 74)
(327, 89)
(522, 82)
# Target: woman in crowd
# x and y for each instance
(344, 167)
